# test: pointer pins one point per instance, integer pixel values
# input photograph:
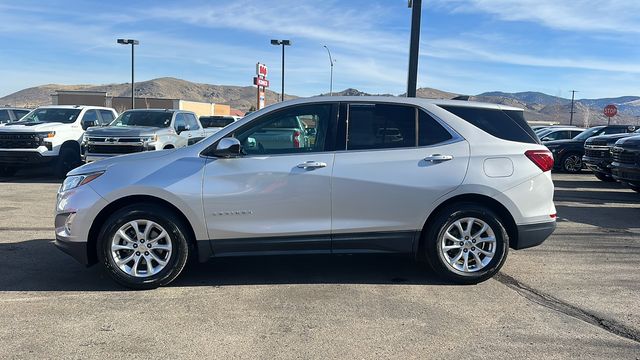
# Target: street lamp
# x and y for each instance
(133, 43)
(414, 47)
(283, 43)
(331, 61)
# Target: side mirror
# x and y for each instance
(310, 131)
(87, 124)
(227, 148)
(181, 128)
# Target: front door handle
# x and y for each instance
(312, 165)
(438, 158)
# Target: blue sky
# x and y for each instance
(467, 46)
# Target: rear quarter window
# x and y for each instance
(504, 124)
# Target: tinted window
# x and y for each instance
(216, 121)
(297, 129)
(90, 115)
(615, 130)
(20, 113)
(66, 116)
(107, 116)
(192, 122)
(430, 131)
(380, 126)
(504, 124)
(144, 118)
(180, 122)
(4, 116)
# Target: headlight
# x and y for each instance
(72, 182)
(151, 138)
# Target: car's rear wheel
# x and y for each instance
(143, 247)
(604, 177)
(572, 163)
(466, 243)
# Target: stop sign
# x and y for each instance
(610, 110)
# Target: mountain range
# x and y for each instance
(538, 106)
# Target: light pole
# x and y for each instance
(133, 43)
(414, 47)
(331, 61)
(283, 43)
(573, 93)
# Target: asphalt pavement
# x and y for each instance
(575, 296)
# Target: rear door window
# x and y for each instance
(107, 117)
(380, 126)
(504, 124)
(430, 132)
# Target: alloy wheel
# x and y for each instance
(141, 248)
(468, 245)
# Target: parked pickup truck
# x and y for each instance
(49, 135)
(282, 134)
(216, 123)
(143, 130)
(597, 154)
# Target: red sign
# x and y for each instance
(260, 81)
(261, 70)
(610, 110)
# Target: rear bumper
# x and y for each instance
(533, 234)
(24, 158)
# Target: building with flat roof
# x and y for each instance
(122, 103)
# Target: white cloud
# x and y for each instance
(621, 16)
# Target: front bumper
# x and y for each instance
(77, 250)
(627, 173)
(24, 157)
(601, 165)
(533, 234)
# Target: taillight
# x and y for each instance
(296, 139)
(542, 158)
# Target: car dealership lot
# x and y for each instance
(575, 296)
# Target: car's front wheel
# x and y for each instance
(572, 163)
(466, 243)
(143, 246)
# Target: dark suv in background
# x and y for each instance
(597, 154)
(626, 162)
(568, 153)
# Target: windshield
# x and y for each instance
(47, 115)
(588, 133)
(159, 119)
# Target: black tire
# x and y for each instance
(604, 177)
(634, 187)
(68, 159)
(437, 228)
(571, 163)
(181, 244)
(7, 170)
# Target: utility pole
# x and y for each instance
(414, 47)
(573, 93)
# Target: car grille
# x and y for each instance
(20, 141)
(623, 156)
(113, 149)
(597, 143)
(596, 153)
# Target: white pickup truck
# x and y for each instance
(143, 130)
(49, 135)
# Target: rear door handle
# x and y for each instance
(438, 158)
(312, 165)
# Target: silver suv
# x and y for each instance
(453, 182)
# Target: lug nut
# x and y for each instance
(465, 250)
(473, 248)
(473, 241)
(138, 253)
(135, 246)
(146, 253)
(148, 245)
(461, 243)
(142, 241)
(466, 238)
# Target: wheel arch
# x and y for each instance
(103, 215)
(507, 219)
(168, 146)
(70, 144)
